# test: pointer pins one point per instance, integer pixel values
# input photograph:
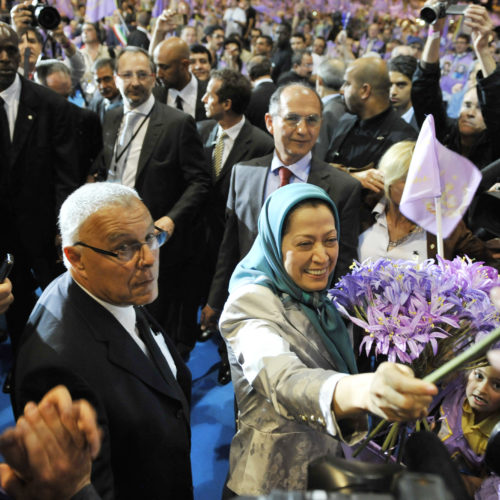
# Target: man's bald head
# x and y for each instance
(9, 55)
(366, 87)
(172, 62)
(372, 71)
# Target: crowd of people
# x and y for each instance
(234, 159)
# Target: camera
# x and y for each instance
(44, 15)
(433, 11)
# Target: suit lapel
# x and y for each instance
(121, 348)
(26, 118)
(111, 128)
(260, 178)
(318, 175)
(238, 151)
(150, 139)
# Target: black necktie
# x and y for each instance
(178, 103)
(156, 355)
(4, 129)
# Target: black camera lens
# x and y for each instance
(47, 17)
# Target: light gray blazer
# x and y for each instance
(280, 371)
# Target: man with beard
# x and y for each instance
(156, 149)
(362, 137)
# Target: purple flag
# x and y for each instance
(435, 171)
(97, 9)
(158, 8)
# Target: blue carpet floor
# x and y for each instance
(212, 419)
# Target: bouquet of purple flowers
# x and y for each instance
(419, 314)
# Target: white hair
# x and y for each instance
(86, 201)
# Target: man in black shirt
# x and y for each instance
(373, 126)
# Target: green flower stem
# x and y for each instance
(391, 437)
(472, 352)
(370, 436)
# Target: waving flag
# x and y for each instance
(436, 173)
(97, 9)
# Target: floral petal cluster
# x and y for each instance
(406, 308)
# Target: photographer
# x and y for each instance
(22, 22)
(475, 133)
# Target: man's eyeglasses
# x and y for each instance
(141, 76)
(293, 119)
(127, 251)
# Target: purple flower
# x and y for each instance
(408, 310)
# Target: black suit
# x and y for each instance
(250, 143)
(161, 94)
(36, 175)
(245, 199)
(259, 104)
(72, 340)
(88, 132)
(172, 179)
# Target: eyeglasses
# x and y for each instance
(293, 119)
(104, 79)
(127, 251)
(141, 76)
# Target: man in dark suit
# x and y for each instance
(294, 120)
(180, 89)
(228, 138)
(159, 152)
(36, 174)
(90, 333)
(226, 99)
(329, 81)
(259, 72)
(56, 75)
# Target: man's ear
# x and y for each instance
(365, 91)
(227, 104)
(74, 257)
(269, 123)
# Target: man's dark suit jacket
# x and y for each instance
(333, 111)
(259, 104)
(250, 143)
(72, 340)
(36, 176)
(161, 93)
(172, 176)
(246, 197)
(88, 131)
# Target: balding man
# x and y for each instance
(361, 140)
(294, 120)
(156, 149)
(181, 89)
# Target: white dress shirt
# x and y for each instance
(189, 95)
(135, 148)
(300, 171)
(11, 96)
(231, 134)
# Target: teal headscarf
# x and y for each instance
(264, 266)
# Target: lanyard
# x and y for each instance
(125, 148)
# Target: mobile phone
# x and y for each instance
(6, 267)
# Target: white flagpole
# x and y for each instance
(439, 226)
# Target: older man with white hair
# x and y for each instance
(89, 332)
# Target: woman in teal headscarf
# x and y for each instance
(292, 363)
